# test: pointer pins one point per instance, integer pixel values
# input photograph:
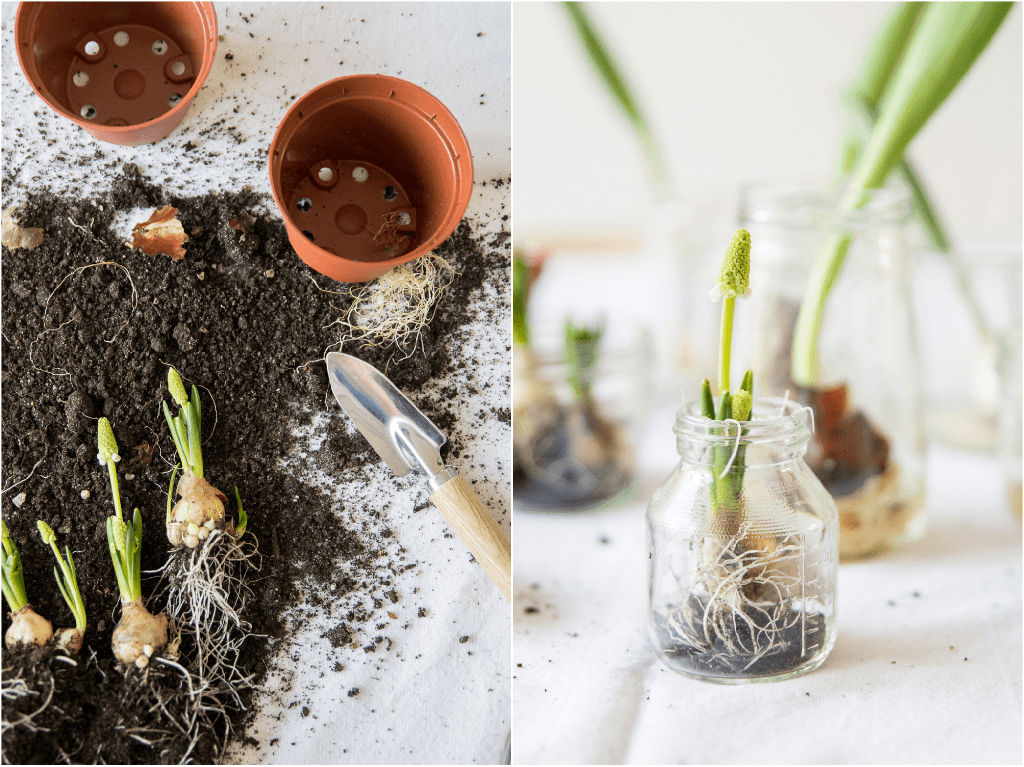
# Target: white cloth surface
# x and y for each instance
(428, 700)
(926, 668)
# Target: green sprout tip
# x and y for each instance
(69, 584)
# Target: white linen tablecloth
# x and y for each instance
(926, 668)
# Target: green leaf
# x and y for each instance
(520, 297)
(611, 75)
(582, 349)
(945, 43)
(724, 406)
(243, 518)
(707, 402)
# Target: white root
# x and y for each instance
(398, 305)
(207, 594)
(738, 607)
(28, 627)
(136, 629)
(14, 689)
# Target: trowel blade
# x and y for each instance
(397, 430)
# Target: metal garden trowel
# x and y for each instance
(406, 440)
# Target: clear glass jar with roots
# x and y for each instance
(743, 550)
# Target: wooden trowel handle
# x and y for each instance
(469, 518)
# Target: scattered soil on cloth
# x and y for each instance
(240, 317)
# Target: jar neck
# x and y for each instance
(778, 433)
(802, 205)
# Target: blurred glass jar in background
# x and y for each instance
(965, 343)
(869, 443)
(577, 408)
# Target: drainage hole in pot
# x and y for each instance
(121, 39)
(88, 111)
(326, 174)
(92, 47)
(360, 174)
(173, 99)
(390, 193)
(404, 219)
(309, 235)
(304, 204)
(160, 47)
(178, 67)
(81, 79)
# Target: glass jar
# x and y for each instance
(743, 550)
(869, 445)
(576, 418)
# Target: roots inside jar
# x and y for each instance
(744, 613)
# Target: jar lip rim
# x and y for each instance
(794, 419)
(761, 201)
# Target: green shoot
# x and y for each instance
(125, 541)
(609, 72)
(884, 54)
(69, 584)
(707, 402)
(13, 579)
(243, 518)
(170, 493)
(520, 295)
(944, 44)
(582, 344)
(733, 282)
(186, 427)
(108, 457)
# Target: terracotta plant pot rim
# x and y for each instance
(326, 93)
(24, 22)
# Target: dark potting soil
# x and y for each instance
(241, 317)
(797, 645)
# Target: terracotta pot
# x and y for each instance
(126, 72)
(369, 172)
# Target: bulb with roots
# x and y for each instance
(70, 640)
(199, 512)
(139, 635)
(28, 627)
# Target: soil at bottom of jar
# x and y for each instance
(718, 659)
(572, 458)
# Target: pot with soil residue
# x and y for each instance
(125, 72)
(369, 172)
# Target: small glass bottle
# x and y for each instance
(743, 550)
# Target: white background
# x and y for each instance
(735, 91)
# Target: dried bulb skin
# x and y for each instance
(70, 640)
(137, 629)
(201, 503)
(28, 627)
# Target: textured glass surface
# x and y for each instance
(743, 552)
(869, 448)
